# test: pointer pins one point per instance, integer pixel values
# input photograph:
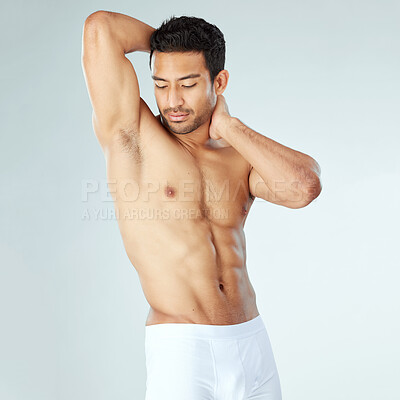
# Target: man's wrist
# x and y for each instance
(231, 123)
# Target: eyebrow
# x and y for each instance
(156, 78)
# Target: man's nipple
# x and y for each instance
(170, 191)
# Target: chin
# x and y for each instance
(180, 130)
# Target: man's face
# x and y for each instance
(182, 86)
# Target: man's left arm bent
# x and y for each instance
(278, 173)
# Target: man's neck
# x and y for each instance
(198, 138)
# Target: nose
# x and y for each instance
(175, 98)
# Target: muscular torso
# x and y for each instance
(181, 212)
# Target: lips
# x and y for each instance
(177, 116)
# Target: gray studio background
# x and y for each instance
(318, 76)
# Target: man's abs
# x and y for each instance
(190, 275)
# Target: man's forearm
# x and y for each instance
(130, 33)
(272, 160)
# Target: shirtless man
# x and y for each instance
(183, 183)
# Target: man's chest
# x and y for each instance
(213, 186)
(176, 184)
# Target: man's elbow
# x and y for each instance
(312, 190)
(313, 184)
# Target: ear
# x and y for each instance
(221, 81)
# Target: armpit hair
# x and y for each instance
(130, 142)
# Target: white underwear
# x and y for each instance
(210, 362)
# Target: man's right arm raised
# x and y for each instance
(110, 77)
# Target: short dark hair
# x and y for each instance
(187, 34)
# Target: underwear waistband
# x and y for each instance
(205, 331)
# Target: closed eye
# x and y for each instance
(162, 87)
